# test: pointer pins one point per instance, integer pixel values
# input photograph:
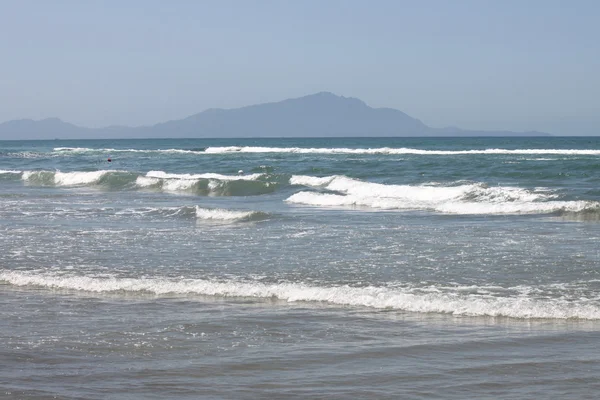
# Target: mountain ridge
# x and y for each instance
(321, 114)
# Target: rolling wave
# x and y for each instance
(392, 151)
(219, 214)
(472, 198)
(200, 213)
(304, 150)
(454, 301)
(208, 184)
(164, 175)
(81, 150)
(108, 178)
(10, 175)
(195, 212)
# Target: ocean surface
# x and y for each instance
(454, 268)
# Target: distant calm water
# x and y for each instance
(300, 268)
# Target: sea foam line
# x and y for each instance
(392, 151)
(305, 150)
(109, 150)
(372, 297)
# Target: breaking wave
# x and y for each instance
(304, 150)
(81, 150)
(448, 301)
(219, 214)
(10, 175)
(108, 178)
(392, 151)
(186, 212)
(200, 213)
(208, 184)
(472, 198)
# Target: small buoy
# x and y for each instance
(109, 160)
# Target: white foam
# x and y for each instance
(342, 150)
(78, 149)
(464, 208)
(143, 181)
(78, 178)
(313, 181)
(10, 172)
(166, 211)
(363, 190)
(334, 200)
(175, 185)
(518, 208)
(456, 302)
(392, 151)
(470, 198)
(212, 214)
(219, 214)
(67, 178)
(108, 150)
(181, 182)
(28, 175)
(221, 177)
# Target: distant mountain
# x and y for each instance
(319, 115)
(43, 129)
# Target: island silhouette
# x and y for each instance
(322, 114)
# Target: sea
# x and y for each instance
(345, 268)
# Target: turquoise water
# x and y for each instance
(339, 268)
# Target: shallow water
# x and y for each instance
(338, 268)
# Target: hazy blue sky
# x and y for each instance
(517, 65)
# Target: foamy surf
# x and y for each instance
(455, 303)
(75, 178)
(200, 213)
(165, 175)
(472, 198)
(316, 150)
(222, 215)
(207, 184)
(394, 151)
(82, 150)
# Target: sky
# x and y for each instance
(475, 64)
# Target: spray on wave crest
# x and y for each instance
(208, 184)
(107, 178)
(84, 150)
(471, 198)
(219, 214)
